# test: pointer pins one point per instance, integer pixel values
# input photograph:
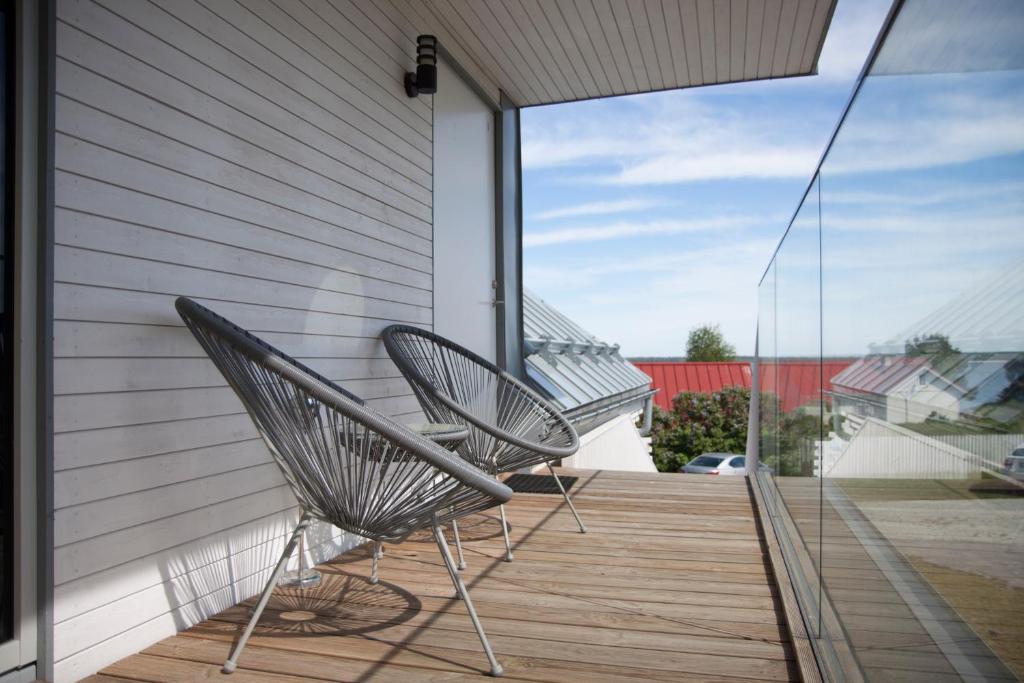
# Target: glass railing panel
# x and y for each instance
(768, 404)
(922, 204)
(798, 389)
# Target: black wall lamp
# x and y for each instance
(424, 81)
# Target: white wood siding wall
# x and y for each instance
(264, 159)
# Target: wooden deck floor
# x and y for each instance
(874, 590)
(670, 584)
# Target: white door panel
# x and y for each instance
(464, 208)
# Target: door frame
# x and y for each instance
(508, 220)
(28, 655)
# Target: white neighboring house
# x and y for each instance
(600, 392)
(909, 389)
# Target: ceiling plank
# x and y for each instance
(503, 47)
(674, 29)
(691, 34)
(784, 37)
(752, 51)
(482, 44)
(579, 81)
(613, 39)
(648, 50)
(540, 72)
(738, 11)
(723, 40)
(621, 14)
(706, 33)
(769, 32)
(816, 37)
(659, 29)
(532, 37)
(801, 27)
(592, 26)
(577, 46)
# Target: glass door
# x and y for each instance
(7, 470)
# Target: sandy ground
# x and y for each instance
(984, 537)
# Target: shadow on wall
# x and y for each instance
(211, 574)
(208, 577)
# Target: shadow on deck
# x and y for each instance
(672, 583)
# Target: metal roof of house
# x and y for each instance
(572, 367)
(976, 379)
(878, 374)
(795, 382)
(673, 378)
(988, 316)
(547, 51)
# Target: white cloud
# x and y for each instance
(920, 194)
(679, 137)
(671, 138)
(927, 127)
(649, 304)
(637, 229)
(741, 157)
(559, 145)
(600, 208)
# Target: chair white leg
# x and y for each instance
(565, 495)
(442, 545)
(457, 595)
(458, 545)
(232, 663)
(504, 530)
(376, 555)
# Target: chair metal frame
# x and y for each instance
(511, 426)
(347, 464)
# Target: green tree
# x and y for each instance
(707, 344)
(929, 345)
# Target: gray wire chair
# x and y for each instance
(510, 425)
(346, 464)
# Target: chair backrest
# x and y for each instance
(346, 463)
(511, 426)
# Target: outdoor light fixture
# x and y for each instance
(424, 81)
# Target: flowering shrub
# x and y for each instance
(717, 423)
(700, 423)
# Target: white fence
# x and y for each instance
(884, 450)
(992, 448)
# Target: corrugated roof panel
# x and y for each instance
(795, 382)
(569, 364)
(878, 374)
(989, 316)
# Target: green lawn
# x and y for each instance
(983, 488)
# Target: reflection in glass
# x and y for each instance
(908, 499)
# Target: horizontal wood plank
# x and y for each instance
(602, 606)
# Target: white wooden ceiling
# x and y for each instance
(546, 51)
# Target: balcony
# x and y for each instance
(671, 583)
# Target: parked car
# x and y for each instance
(1013, 466)
(717, 463)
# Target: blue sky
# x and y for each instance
(647, 215)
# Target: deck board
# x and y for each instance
(671, 583)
